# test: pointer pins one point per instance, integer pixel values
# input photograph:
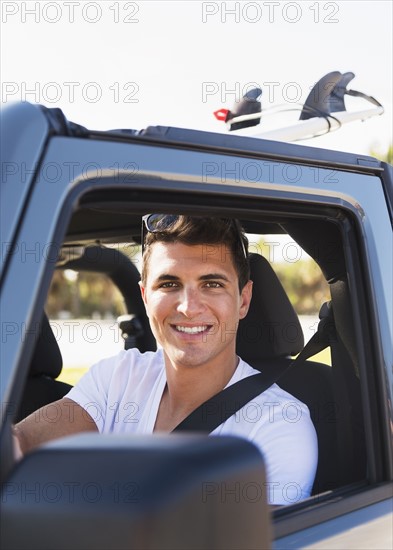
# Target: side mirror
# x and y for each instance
(152, 492)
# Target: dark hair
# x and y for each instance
(192, 230)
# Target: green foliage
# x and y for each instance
(305, 285)
(90, 294)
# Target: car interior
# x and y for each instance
(268, 338)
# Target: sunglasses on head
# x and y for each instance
(156, 223)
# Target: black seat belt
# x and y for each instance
(213, 412)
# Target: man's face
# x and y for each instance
(193, 303)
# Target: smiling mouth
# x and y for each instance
(192, 330)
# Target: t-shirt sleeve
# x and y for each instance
(290, 449)
(91, 392)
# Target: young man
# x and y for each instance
(195, 286)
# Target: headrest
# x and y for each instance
(46, 358)
(271, 328)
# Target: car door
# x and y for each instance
(96, 187)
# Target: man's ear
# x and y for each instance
(245, 296)
(143, 292)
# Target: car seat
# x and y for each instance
(268, 338)
(41, 387)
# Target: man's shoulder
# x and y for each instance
(135, 359)
(273, 393)
(128, 363)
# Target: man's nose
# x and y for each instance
(191, 302)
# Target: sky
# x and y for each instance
(117, 64)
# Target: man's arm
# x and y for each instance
(58, 419)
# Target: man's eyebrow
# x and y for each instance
(206, 277)
(211, 276)
(167, 277)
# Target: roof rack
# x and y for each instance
(316, 117)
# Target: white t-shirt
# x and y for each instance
(122, 394)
